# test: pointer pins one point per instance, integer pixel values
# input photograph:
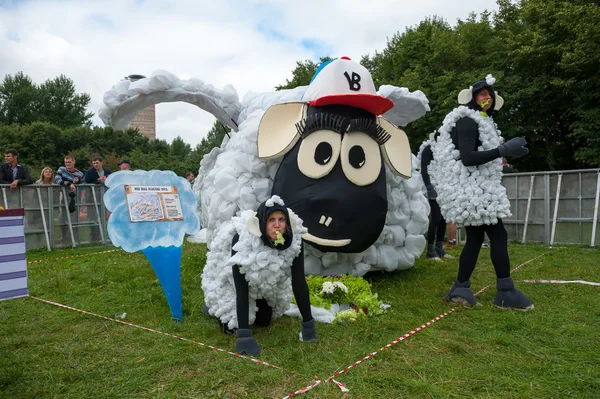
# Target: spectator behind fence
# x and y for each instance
(46, 177)
(13, 173)
(506, 167)
(67, 176)
(124, 164)
(97, 173)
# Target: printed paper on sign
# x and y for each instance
(153, 203)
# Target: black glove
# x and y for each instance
(431, 193)
(245, 344)
(309, 332)
(514, 147)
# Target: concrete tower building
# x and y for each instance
(145, 120)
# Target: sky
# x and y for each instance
(253, 45)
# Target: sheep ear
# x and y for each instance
(499, 102)
(277, 132)
(292, 220)
(253, 225)
(465, 96)
(396, 151)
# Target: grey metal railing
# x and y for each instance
(48, 222)
(548, 207)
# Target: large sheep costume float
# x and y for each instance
(331, 150)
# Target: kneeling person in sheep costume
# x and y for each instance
(255, 264)
(466, 171)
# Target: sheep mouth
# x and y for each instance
(326, 242)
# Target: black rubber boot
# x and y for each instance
(509, 297)
(309, 331)
(461, 293)
(245, 344)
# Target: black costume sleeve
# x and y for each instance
(467, 136)
(426, 158)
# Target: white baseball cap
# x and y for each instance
(343, 81)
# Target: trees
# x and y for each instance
(17, 100)
(544, 56)
(55, 101)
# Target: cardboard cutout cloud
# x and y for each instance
(159, 241)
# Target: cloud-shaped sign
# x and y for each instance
(136, 236)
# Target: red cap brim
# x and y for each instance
(372, 103)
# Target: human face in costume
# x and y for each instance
(276, 222)
(483, 99)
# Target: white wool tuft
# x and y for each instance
(267, 270)
(232, 178)
(473, 195)
(490, 80)
(276, 199)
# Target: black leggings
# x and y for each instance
(437, 224)
(264, 313)
(498, 250)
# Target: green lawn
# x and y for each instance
(550, 352)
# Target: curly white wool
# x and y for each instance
(276, 199)
(473, 195)
(489, 79)
(267, 270)
(232, 177)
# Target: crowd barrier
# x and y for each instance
(558, 207)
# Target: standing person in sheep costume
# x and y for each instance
(247, 276)
(437, 223)
(466, 171)
(384, 209)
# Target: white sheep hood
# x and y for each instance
(267, 270)
(473, 195)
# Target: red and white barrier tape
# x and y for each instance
(305, 389)
(402, 338)
(72, 256)
(561, 282)
(159, 332)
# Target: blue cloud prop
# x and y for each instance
(160, 242)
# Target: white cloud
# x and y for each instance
(251, 44)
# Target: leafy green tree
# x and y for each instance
(179, 148)
(55, 101)
(18, 100)
(59, 103)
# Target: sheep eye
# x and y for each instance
(318, 153)
(361, 158)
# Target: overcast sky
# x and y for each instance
(253, 44)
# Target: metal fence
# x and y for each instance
(554, 207)
(48, 222)
(548, 207)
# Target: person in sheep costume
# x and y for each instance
(466, 171)
(250, 274)
(364, 185)
(437, 223)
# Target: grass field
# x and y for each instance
(550, 352)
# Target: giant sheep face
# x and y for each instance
(332, 173)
